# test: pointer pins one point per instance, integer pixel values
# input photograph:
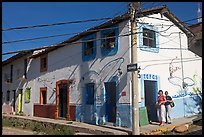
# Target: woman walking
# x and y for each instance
(161, 107)
(168, 108)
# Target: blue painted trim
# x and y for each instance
(144, 47)
(90, 57)
(150, 77)
(110, 52)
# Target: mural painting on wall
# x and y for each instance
(184, 84)
(197, 87)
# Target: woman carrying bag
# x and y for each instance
(169, 104)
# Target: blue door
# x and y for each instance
(151, 89)
(110, 104)
(89, 108)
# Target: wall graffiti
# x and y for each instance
(182, 83)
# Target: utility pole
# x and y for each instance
(135, 107)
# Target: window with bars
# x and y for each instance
(89, 47)
(43, 63)
(11, 74)
(149, 38)
(25, 67)
(8, 96)
(109, 41)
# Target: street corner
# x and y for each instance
(171, 128)
(181, 128)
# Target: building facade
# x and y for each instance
(85, 78)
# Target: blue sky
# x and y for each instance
(17, 14)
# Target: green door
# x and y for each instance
(20, 101)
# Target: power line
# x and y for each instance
(70, 34)
(43, 37)
(37, 38)
(54, 24)
(77, 42)
(22, 40)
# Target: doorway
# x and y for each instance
(20, 100)
(110, 104)
(151, 88)
(62, 100)
(14, 100)
(89, 106)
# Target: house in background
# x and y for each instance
(13, 77)
(196, 44)
(85, 78)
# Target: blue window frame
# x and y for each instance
(89, 47)
(148, 40)
(109, 41)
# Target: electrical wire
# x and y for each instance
(61, 45)
(54, 24)
(43, 37)
(37, 38)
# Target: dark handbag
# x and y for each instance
(172, 104)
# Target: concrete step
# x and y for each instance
(81, 133)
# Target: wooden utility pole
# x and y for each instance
(135, 107)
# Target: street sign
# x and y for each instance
(131, 67)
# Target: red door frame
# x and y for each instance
(60, 82)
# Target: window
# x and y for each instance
(43, 63)
(90, 94)
(18, 73)
(89, 47)
(11, 74)
(5, 77)
(43, 95)
(148, 40)
(25, 67)
(8, 96)
(2, 97)
(109, 41)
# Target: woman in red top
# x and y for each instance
(161, 107)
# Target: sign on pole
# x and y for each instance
(131, 67)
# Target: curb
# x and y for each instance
(164, 129)
(160, 130)
(78, 128)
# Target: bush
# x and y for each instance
(50, 128)
(61, 131)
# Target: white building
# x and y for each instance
(85, 78)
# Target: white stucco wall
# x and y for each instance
(158, 63)
(66, 63)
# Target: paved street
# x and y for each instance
(16, 131)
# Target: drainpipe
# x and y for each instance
(183, 84)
